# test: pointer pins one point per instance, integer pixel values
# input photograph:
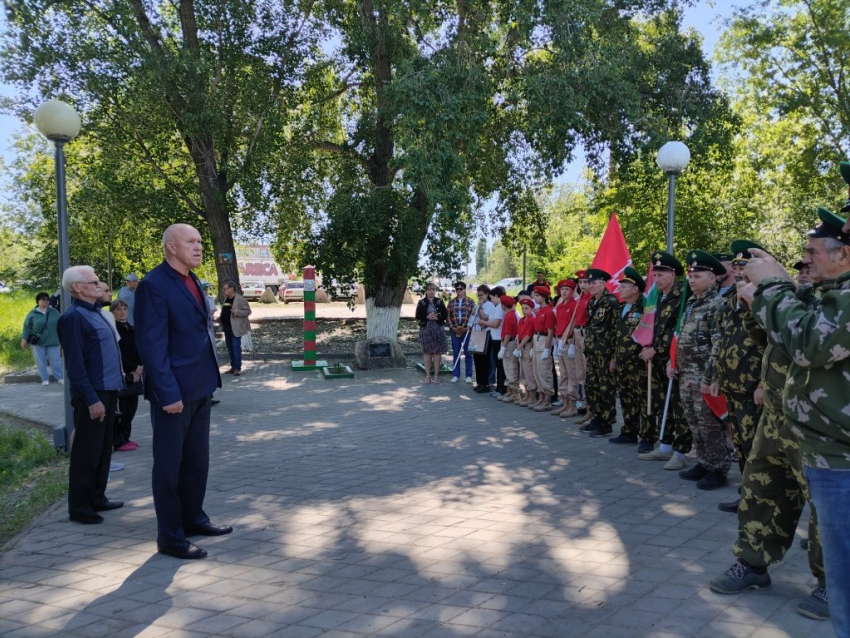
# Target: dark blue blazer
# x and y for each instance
(175, 339)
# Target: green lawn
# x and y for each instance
(33, 476)
(13, 309)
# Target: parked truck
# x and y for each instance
(257, 264)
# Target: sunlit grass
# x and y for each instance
(13, 310)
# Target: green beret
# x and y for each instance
(597, 274)
(830, 227)
(633, 276)
(666, 261)
(741, 250)
(723, 256)
(700, 261)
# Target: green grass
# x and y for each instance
(13, 310)
(33, 476)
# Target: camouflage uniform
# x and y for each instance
(631, 371)
(773, 490)
(735, 364)
(676, 430)
(599, 347)
(698, 334)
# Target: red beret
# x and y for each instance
(569, 283)
(541, 290)
(507, 300)
(526, 302)
(561, 283)
(581, 274)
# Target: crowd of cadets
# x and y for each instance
(574, 354)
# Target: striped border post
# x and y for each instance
(309, 362)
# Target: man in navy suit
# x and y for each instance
(176, 342)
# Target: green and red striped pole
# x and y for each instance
(309, 362)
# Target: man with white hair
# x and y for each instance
(94, 375)
(176, 342)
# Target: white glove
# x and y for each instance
(531, 353)
(518, 353)
(558, 349)
(544, 355)
(501, 354)
(571, 352)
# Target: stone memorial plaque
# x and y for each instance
(379, 350)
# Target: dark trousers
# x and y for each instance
(181, 460)
(127, 407)
(482, 369)
(497, 370)
(91, 452)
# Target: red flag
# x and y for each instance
(613, 255)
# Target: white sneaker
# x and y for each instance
(557, 404)
(115, 467)
(496, 394)
(676, 462)
(45, 383)
(469, 379)
(60, 381)
(455, 379)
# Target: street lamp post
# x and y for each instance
(60, 123)
(672, 158)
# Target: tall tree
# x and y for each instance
(201, 91)
(481, 257)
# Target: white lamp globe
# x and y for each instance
(673, 157)
(57, 121)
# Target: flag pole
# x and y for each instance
(666, 407)
(649, 387)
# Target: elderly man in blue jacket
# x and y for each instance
(176, 342)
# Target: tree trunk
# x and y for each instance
(383, 310)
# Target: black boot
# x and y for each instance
(693, 474)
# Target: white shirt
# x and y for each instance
(498, 313)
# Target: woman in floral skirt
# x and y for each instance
(431, 314)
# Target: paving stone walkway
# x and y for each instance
(381, 507)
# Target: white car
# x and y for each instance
(4, 289)
(253, 290)
(292, 291)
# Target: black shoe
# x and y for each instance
(582, 411)
(108, 505)
(184, 550)
(86, 519)
(593, 426)
(603, 431)
(693, 474)
(645, 446)
(728, 506)
(215, 402)
(624, 438)
(711, 481)
(208, 529)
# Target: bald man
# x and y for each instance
(175, 340)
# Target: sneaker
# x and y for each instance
(455, 379)
(590, 426)
(127, 447)
(645, 446)
(728, 506)
(115, 467)
(60, 381)
(603, 431)
(816, 606)
(557, 404)
(712, 481)
(676, 462)
(469, 379)
(739, 577)
(496, 394)
(630, 439)
(45, 383)
(655, 455)
(694, 474)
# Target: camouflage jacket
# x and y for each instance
(698, 334)
(628, 351)
(774, 364)
(603, 316)
(666, 316)
(811, 328)
(735, 361)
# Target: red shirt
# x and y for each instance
(510, 325)
(526, 326)
(192, 287)
(581, 310)
(563, 315)
(544, 320)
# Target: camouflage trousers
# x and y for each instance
(631, 386)
(744, 416)
(676, 430)
(709, 432)
(773, 494)
(601, 388)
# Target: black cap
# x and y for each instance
(632, 276)
(597, 274)
(830, 226)
(741, 250)
(666, 261)
(701, 261)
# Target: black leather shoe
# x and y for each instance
(108, 505)
(185, 550)
(208, 529)
(603, 431)
(711, 481)
(593, 426)
(624, 438)
(728, 506)
(86, 519)
(693, 474)
(215, 402)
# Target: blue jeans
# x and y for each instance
(830, 491)
(44, 355)
(234, 348)
(456, 345)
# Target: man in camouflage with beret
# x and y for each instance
(734, 367)
(811, 327)
(599, 347)
(698, 334)
(677, 440)
(629, 370)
